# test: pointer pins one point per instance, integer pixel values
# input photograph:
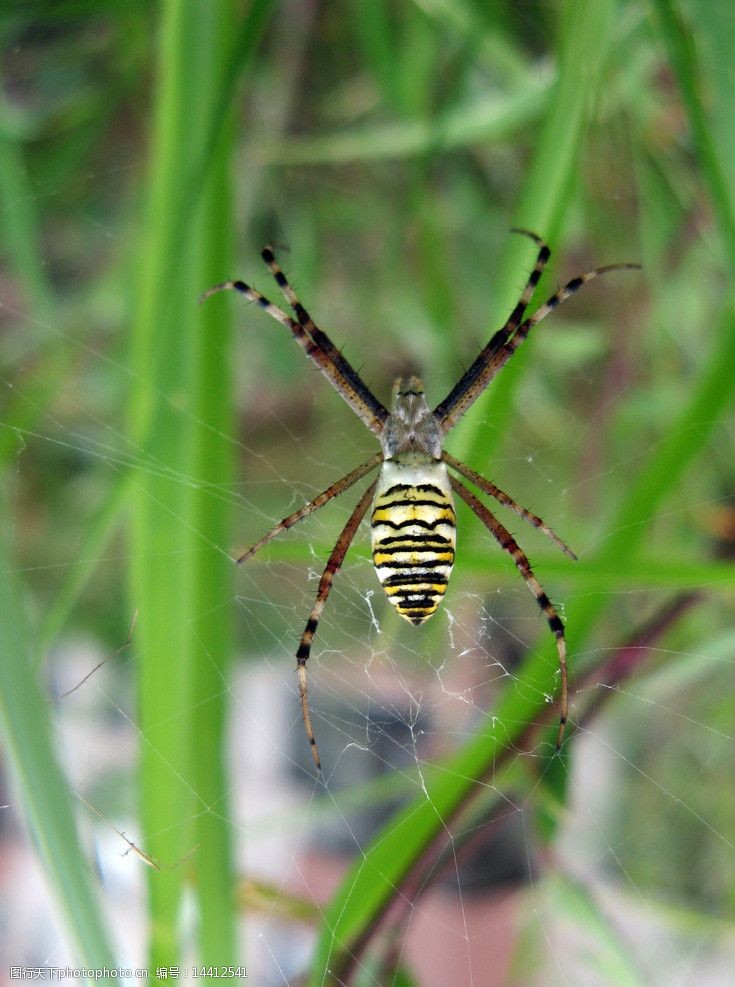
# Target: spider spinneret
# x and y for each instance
(413, 521)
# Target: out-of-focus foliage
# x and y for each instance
(387, 148)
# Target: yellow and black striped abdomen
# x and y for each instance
(413, 539)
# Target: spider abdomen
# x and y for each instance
(413, 536)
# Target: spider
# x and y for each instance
(413, 520)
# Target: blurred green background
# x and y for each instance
(148, 151)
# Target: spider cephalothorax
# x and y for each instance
(411, 425)
(413, 520)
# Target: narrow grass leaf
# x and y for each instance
(25, 715)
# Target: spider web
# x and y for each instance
(624, 878)
(626, 883)
(388, 701)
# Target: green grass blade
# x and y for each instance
(21, 234)
(96, 538)
(371, 884)
(26, 727)
(682, 52)
(491, 119)
(212, 574)
(181, 574)
(21, 231)
(594, 573)
(489, 31)
(109, 517)
(167, 554)
(713, 392)
(685, 441)
(545, 197)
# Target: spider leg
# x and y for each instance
(325, 584)
(570, 288)
(503, 345)
(504, 333)
(508, 543)
(322, 351)
(489, 487)
(533, 279)
(336, 488)
(321, 338)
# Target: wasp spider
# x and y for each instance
(413, 519)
